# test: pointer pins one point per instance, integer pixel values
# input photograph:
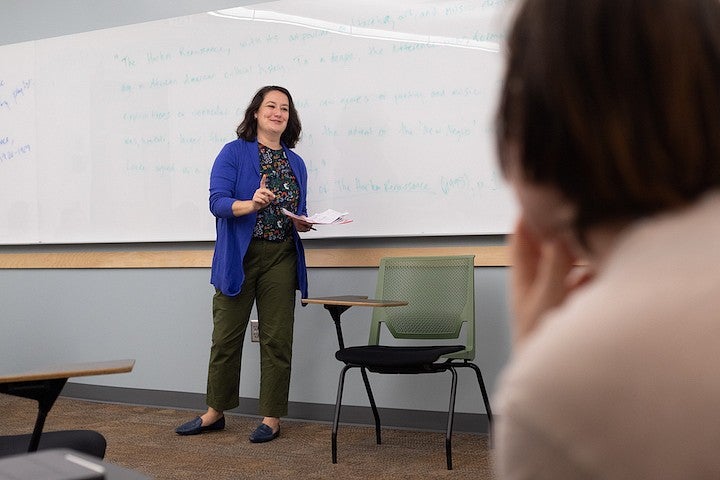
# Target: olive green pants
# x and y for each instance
(270, 282)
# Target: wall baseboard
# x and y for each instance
(315, 412)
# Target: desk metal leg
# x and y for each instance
(45, 392)
(335, 312)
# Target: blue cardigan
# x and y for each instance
(235, 175)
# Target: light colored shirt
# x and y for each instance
(623, 380)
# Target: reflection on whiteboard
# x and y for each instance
(109, 136)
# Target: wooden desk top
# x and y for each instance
(68, 370)
(354, 300)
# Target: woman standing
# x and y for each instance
(258, 258)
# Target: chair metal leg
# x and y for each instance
(486, 400)
(451, 416)
(378, 438)
(336, 418)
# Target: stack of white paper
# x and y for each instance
(328, 217)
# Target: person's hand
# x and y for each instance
(302, 226)
(263, 195)
(543, 275)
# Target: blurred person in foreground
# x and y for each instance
(608, 131)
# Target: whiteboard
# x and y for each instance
(109, 136)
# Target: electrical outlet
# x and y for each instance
(254, 330)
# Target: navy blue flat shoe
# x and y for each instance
(195, 426)
(263, 433)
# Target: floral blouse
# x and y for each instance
(271, 223)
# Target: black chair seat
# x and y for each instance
(85, 441)
(386, 356)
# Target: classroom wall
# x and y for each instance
(161, 316)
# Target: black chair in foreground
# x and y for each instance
(440, 295)
(44, 386)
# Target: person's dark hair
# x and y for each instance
(615, 103)
(247, 130)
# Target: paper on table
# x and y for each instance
(328, 217)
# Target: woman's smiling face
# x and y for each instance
(273, 114)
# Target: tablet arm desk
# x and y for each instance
(337, 306)
(45, 385)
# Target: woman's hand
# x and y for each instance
(301, 225)
(263, 196)
(543, 275)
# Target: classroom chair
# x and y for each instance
(440, 295)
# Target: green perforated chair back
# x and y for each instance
(440, 295)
